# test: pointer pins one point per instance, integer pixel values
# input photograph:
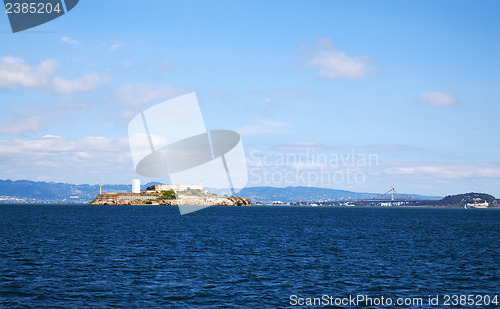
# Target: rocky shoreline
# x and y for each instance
(181, 200)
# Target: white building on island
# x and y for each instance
(478, 205)
(136, 186)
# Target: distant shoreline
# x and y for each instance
(254, 206)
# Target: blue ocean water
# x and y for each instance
(240, 257)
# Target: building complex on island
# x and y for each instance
(176, 188)
(150, 194)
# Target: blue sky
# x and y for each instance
(414, 83)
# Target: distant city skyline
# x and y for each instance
(313, 88)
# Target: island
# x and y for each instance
(469, 200)
(170, 195)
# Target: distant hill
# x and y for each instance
(296, 194)
(463, 199)
(310, 194)
(26, 191)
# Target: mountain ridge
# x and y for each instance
(27, 191)
(311, 194)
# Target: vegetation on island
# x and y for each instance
(168, 195)
(240, 201)
(460, 200)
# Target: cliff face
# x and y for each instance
(239, 201)
(210, 201)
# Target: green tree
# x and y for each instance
(168, 195)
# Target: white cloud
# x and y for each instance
(33, 118)
(14, 73)
(90, 158)
(447, 171)
(85, 83)
(43, 147)
(51, 136)
(92, 148)
(138, 96)
(438, 99)
(300, 147)
(265, 126)
(12, 60)
(332, 63)
(115, 47)
(20, 126)
(67, 39)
